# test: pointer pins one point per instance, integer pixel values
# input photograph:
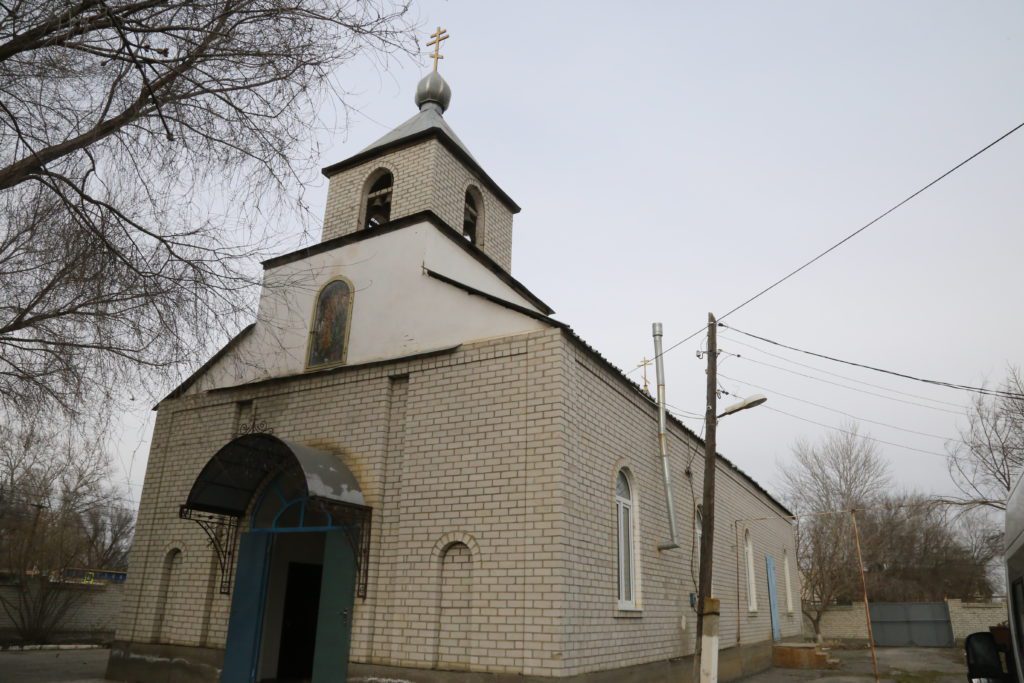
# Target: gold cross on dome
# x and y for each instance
(438, 35)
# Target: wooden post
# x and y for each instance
(707, 540)
(864, 585)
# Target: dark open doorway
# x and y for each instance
(298, 623)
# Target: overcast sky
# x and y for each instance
(675, 158)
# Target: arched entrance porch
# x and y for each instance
(300, 561)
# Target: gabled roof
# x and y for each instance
(405, 222)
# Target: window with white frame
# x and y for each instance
(748, 545)
(785, 576)
(625, 511)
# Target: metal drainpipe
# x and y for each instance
(663, 440)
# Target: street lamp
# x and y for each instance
(708, 607)
(749, 402)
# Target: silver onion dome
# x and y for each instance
(433, 90)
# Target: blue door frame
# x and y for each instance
(773, 598)
(245, 625)
(334, 626)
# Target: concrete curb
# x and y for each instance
(34, 648)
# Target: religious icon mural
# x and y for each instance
(328, 336)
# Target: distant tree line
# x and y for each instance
(58, 512)
(914, 547)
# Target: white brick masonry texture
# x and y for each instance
(96, 613)
(426, 176)
(491, 473)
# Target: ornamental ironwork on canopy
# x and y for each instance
(301, 489)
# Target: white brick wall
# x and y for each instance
(490, 468)
(426, 176)
(841, 622)
(95, 613)
(971, 617)
(609, 427)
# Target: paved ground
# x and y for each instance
(53, 666)
(899, 665)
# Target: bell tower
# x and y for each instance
(421, 165)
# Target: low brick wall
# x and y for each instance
(92, 620)
(846, 622)
(841, 622)
(971, 617)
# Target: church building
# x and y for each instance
(405, 469)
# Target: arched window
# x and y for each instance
(472, 218)
(378, 200)
(751, 583)
(698, 536)
(785, 577)
(625, 517)
(328, 335)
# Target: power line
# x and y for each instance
(836, 410)
(949, 385)
(877, 218)
(843, 386)
(855, 434)
(851, 235)
(834, 374)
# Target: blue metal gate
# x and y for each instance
(911, 624)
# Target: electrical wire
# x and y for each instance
(855, 434)
(835, 374)
(843, 386)
(774, 393)
(850, 236)
(999, 393)
(876, 219)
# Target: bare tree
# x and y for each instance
(826, 480)
(989, 457)
(917, 550)
(142, 143)
(57, 512)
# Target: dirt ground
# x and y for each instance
(895, 664)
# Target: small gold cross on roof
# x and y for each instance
(439, 35)
(644, 364)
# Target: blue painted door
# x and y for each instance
(334, 620)
(241, 652)
(773, 598)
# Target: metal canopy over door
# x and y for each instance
(773, 598)
(290, 488)
(917, 624)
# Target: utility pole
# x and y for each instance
(864, 586)
(707, 607)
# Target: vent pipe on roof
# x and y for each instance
(663, 439)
